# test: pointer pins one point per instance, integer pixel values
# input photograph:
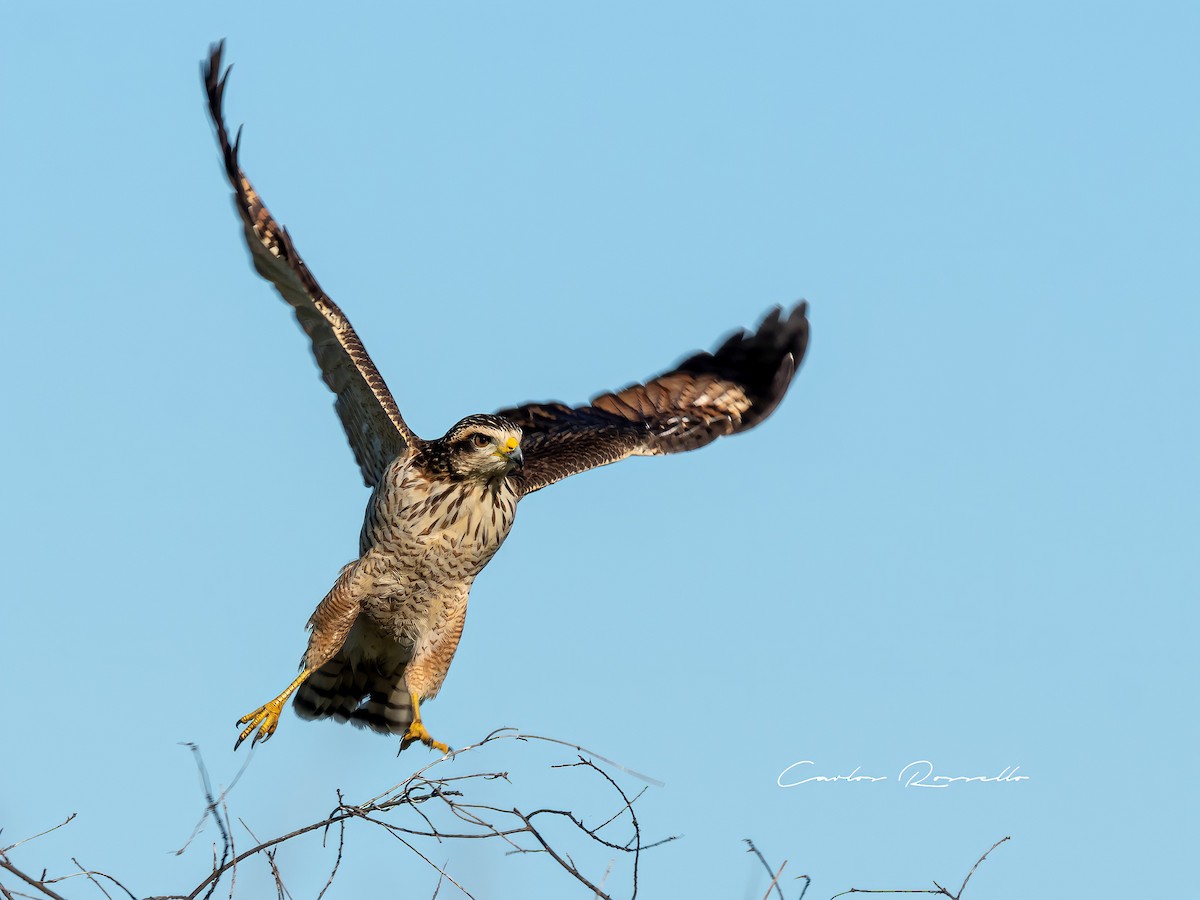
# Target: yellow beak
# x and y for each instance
(511, 451)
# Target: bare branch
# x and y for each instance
(341, 844)
(441, 870)
(566, 864)
(37, 884)
(92, 878)
(774, 875)
(34, 837)
(232, 842)
(977, 862)
(280, 891)
(937, 889)
(775, 882)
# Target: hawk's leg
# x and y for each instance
(427, 670)
(331, 622)
(418, 732)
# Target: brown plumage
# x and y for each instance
(384, 636)
(704, 397)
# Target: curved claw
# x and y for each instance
(265, 719)
(418, 732)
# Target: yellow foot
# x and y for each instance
(416, 732)
(265, 719)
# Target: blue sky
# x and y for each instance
(967, 536)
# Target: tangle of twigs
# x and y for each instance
(423, 806)
(42, 884)
(413, 811)
(774, 885)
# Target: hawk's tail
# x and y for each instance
(360, 695)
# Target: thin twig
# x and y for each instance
(977, 862)
(775, 881)
(34, 837)
(211, 809)
(442, 873)
(204, 778)
(937, 889)
(29, 880)
(91, 878)
(762, 859)
(341, 843)
(280, 890)
(558, 859)
(98, 874)
(232, 844)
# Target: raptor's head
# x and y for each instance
(482, 447)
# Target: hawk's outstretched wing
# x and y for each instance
(707, 395)
(368, 412)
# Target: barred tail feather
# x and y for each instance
(338, 690)
(388, 711)
(333, 691)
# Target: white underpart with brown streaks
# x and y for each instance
(424, 542)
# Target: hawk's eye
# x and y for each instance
(481, 440)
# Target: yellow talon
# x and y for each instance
(418, 732)
(266, 717)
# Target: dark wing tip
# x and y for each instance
(759, 364)
(212, 76)
(755, 358)
(214, 86)
(762, 362)
(708, 395)
(775, 350)
(213, 64)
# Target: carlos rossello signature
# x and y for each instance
(917, 774)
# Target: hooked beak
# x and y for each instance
(511, 451)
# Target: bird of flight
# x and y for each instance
(383, 638)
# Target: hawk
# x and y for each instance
(383, 637)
